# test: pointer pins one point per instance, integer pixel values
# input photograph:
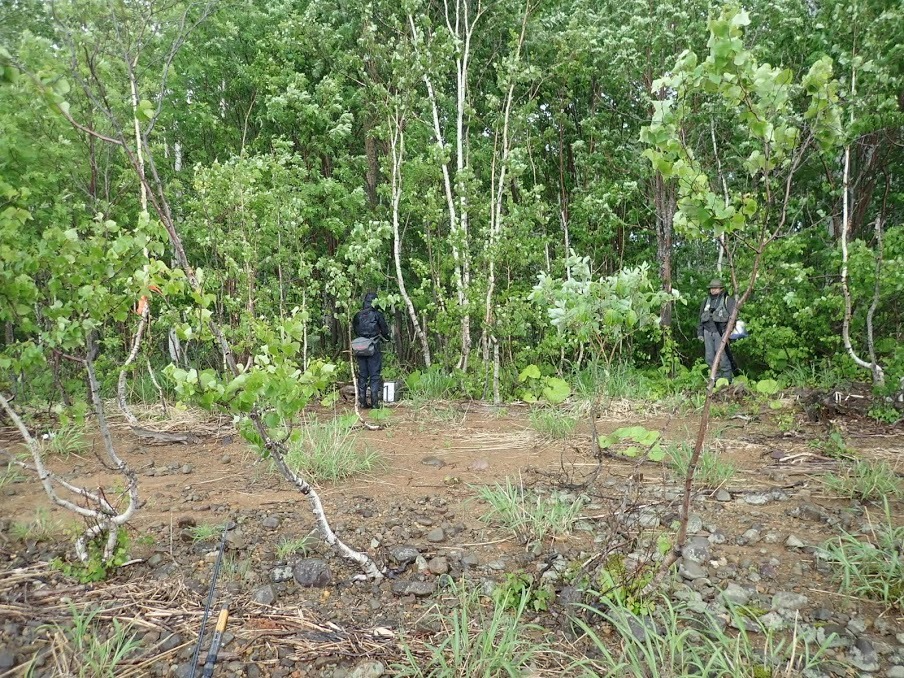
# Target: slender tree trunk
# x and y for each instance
(397, 149)
(665, 203)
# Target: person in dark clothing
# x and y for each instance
(714, 313)
(370, 323)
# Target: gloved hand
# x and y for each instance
(699, 337)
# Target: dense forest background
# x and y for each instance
(485, 166)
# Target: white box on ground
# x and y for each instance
(388, 391)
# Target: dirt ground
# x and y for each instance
(433, 458)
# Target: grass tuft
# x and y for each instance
(672, 640)
(90, 647)
(552, 423)
(865, 480)
(712, 470)
(294, 546)
(68, 439)
(205, 532)
(530, 518)
(872, 567)
(329, 452)
(41, 528)
(478, 641)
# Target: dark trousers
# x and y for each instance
(711, 341)
(370, 377)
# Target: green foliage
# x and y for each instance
(530, 518)
(835, 446)
(604, 313)
(329, 452)
(640, 441)
(713, 470)
(536, 386)
(520, 590)
(865, 480)
(432, 384)
(870, 566)
(552, 423)
(96, 568)
(476, 641)
(885, 414)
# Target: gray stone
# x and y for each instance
(857, 626)
(900, 638)
(265, 595)
(368, 670)
(863, 656)
(270, 522)
(691, 570)
(312, 572)
(751, 536)
(186, 469)
(772, 621)
(697, 549)
(402, 555)
(413, 588)
(281, 574)
(895, 672)
(756, 499)
(792, 542)
(436, 535)
(470, 560)
(235, 539)
(694, 524)
(436, 462)
(171, 641)
(7, 660)
(648, 519)
(438, 565)
(723, 495)
(734, 594)
(787, 601)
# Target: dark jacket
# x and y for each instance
(715, 304)
(369, 322)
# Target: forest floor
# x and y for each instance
(420, 515)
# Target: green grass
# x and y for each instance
(206, 532)
(865, 480)
(40, 528)
(430, 385)
(10, 475)
(294, 546)
(552, 423)
(671, 640)
(618, 381)
(91, 647)
(68, 439)
(530, 518)
(873, 566)
(713, 471)
(478, 640)
(328, 451)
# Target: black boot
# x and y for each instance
(376, 397)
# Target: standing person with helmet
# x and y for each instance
(370, 323)
(714, 313)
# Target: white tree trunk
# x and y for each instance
(397, 147)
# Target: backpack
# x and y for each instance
(719, 314)
(364, 347)
(367, 323)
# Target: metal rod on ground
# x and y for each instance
(215, 643)
(213, 587)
